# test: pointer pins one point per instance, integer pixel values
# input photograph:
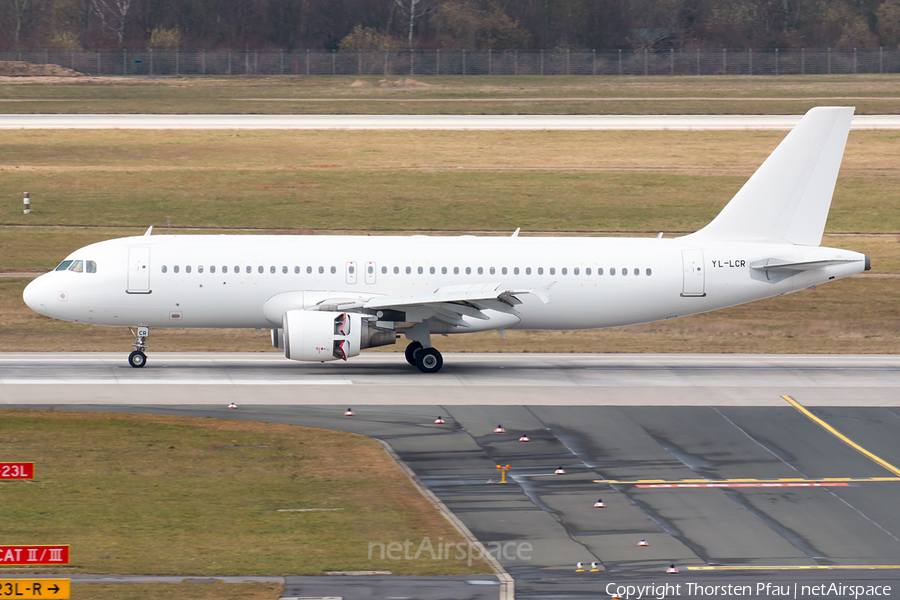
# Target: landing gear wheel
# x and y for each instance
(137, 359)
(411, 352)
(429, 360)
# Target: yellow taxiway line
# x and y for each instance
(790, 567)
(841, 436)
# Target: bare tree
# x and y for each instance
(113, 15)
(413, 9)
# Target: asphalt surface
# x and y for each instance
(828, 529)
(430, 122)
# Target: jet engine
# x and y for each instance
(322, 335)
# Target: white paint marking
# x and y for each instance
(256, 382)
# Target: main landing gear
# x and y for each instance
(427, 360)
(138, 359)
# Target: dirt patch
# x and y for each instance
(18, 68)
(403, 83)
(359, 83)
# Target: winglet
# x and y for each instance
(147, 233)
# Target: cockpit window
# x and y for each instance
(64, 265)
(90, 266)
(77, 266)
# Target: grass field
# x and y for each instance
(181, 591)
(89, 186)
(162, 495)
(871, 94)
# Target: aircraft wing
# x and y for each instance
(451, 303)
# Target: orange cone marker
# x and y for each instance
(616, 595)
(643, 543)
(594, 567)
(559, 471)
(524, 438)
(232, 405)
(599, 503)
(439, 420)
(671, 569)
(499, 429)
(348, 412)
(579, 567)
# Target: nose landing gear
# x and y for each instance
(138, 359)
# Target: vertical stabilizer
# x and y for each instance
(788, 198)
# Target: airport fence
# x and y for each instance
(464, 62)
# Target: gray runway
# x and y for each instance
(715, 435)
(430, 122)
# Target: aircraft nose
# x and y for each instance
(35, 296)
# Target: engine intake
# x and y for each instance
(322, 335)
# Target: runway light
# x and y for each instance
(524, 438)
(439, 420)
(499, 429)
(559, 471)
(599, 503)
(643, 543)
(595, 567)
(232, 405)
(671, 569)
(348, 412)
(579, 567)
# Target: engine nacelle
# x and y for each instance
(323, 335)
(278, 338)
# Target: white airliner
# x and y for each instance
(328, 297)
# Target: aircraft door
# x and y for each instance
(138, 270)
(370, 272)
(351, 272)
(694, 274)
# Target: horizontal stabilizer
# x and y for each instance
(799, 266)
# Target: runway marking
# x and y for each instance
(784, 481)
(175, 382)
(841, 436)
(790, 567)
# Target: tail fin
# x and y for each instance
(788, 198)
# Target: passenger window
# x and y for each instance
(284, 270)
(90, 266)
(493, 271)
(587, 272)
(175, 268)
(637, 271)
(200, 268)
(408, 270)
(599, 271)
(612, 271)
(431, 270)
(212, 269)
(540, 270)
(371, 269)
(515, 271)
(624, 271)
(78, 266)
(165, 268)
(224, 269)
(443, 270)
(187, 269)
(468, 270)
(481, 270)
(296, 270)
(259, 269)
(648, 272)
(396, 270)
(309, 270)
(553, 270)
(249, 269)
(419, 270)
(384, 270)
(321, 270)
(64, 265)
(528, 270)
(565, 271)
(272, 269)
(456, 270)
(333, 270)
(351, 269)
(237, 269)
